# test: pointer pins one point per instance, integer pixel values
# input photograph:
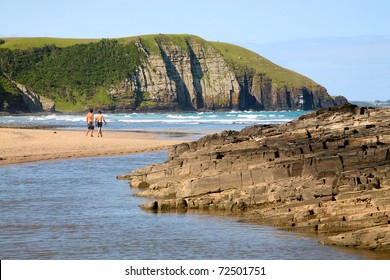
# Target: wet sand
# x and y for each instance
(26, 145)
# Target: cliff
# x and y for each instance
(187, 72)
(163, 72)
(16, 97)
(326, 172)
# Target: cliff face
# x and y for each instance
(196, 75)
(35, 102)
(195, 78)
(260, 93)
(328, 172)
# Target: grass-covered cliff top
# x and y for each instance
(37, 42)
(149, 41)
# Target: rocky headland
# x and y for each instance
(326, 172)
(146, 73)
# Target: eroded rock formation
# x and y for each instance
(328, 172)
(35, 102)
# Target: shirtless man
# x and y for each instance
(99, 120)
(90, 123)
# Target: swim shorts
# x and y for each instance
(90, 126)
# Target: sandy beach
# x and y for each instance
(27, 145)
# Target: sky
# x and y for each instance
(344, 45)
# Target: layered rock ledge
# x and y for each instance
(326, 172)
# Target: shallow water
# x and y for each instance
(77, 209)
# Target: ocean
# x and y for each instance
(183, 124)
(77, 209)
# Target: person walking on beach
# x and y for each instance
(90, 122)
(99, 121)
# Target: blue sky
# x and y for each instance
(343, 45)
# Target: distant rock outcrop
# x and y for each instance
(326, 172)
(17, 98)
(35, 102)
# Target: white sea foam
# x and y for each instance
(248, 116)
(183, 117)
(66, 118)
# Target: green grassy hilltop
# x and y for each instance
(38, 42)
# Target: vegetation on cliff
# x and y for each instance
(74, 76)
